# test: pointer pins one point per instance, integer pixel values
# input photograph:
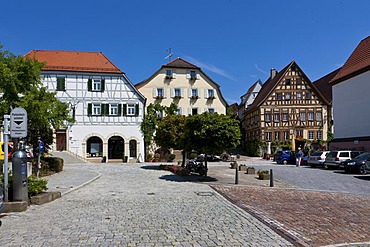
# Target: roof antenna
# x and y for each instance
(170, 54)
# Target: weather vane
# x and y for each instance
(170, 54)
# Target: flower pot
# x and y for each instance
(264, 176)
(250, 170)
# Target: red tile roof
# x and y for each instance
(357, 63)
(74, 61)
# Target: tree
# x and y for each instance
(154, 113)
(20, 86)
(211, 133)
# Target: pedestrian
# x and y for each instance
(299, 157)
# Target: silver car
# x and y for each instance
(317, 158)
(334, 158)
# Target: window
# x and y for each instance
(61, 84)
(318, 116)
(308, 95)
(178, 112)
(177, 93)
(97, 109)
(268, 136)
(278, 96)
(287, 82)
(310, 135)
(310, 116)
(96, 85)
(211, 110)
(193, 75)
(113, 109)
(302, 116)
(133, 148)
(130, 109)
(168, 73)
(287, 96)
(211, 93)
(276, 117)
(285, 135)
(160, 92)
(194, 111)
(299, 133)
(268, 117)
(319, 135)
(277, 136)
(194, 93)
(299, 95)
(284, 117)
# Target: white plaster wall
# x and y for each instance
(351, 107)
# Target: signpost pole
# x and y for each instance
(6, 151)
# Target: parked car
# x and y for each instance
(317, 158)
(357, 164)
(285, 157)
(334, 158)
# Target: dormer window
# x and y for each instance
(170, 74)
(193, 75)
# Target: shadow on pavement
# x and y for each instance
(150, 167)
(188, 178)
(363, 177)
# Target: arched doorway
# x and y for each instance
(133, 148)
(94, 147)
(116, 147)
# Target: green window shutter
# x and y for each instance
(61, 85)
(119, 109)
(124, 109)
(102, 85)
(136, 110)
(89, 85)
(89, 109)
(105, 109)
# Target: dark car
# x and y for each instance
(357, 164)
(285, 157)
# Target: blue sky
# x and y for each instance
(235, 42)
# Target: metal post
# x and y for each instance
(6, 151)
(271, 179)
(236, 173)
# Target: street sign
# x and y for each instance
(18, 123)
(41, 146)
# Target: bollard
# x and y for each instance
(236, 173)
(271, 179)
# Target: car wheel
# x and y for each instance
(362, 169)
(285, 162)
(346, 170)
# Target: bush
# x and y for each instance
(36, 186)
(193, 156)
(157, 156)
(171, 157)
(55, 164)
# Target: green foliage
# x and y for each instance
(55, 164)
(36, 186)
(263, 172)
(211, 133)
(20, 86)
(171, 157)
(193, 155)
(170, 132)
(252, 148)
(157, 156)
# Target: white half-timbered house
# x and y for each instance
(107, 108)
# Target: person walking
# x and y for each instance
(299, 157)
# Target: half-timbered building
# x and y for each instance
(106, 107)
(288, 107)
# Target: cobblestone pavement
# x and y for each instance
(136, 205)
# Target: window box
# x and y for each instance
(194, 97)
(159, 97)
(177, 97)
(211, 97)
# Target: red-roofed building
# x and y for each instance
(351, 111)
(288, 105)
(107, 108)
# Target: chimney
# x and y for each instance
(273, 73)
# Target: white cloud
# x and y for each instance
(260, 70)
(209, 67)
